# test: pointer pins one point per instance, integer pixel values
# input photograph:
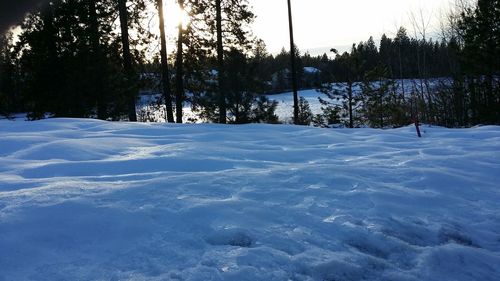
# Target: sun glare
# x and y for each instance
(180, 16)
(174, 15)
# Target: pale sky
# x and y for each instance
(320, 25)
(323, 24)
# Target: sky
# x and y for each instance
(322, 24)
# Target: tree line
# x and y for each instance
(77, 58)
(85, 58)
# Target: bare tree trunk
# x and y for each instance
(179, 82)
(127, 60)
(165, 77)
(401, 70)
(350, 97)
(97, 61)
(294, 70)
(417, 28)
(220, 62)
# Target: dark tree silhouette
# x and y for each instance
(127, 60)
(165, 77)
(294, 70)
(179, 64)
(220, 64)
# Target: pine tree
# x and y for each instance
(8, 98)
(481, 30)
(97, 62)
(165, 76)
(305, 116)
(127, 60)
(293, 68)
(220, 64)
(383, 104)
(69, 57)
(218, 27)
(179, 64)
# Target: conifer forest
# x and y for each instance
(78, 58)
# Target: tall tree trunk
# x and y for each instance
(127, 60)
(294, 70)
(220, 62)
(401, 71)
(350, 100)
(51, 71)
(165, 77)
(179, 81)
(97, 61)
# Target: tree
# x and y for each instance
(165, 76)
(98, 63)
(179, 64)
(127, 61)
(8, 98)
(386, 53)
(401, 41)
(262, 60)
(217, 28)
(293, 70)
(350, 67)
(481, 35)
(244, 105)
(264, 111)
(383, 105)
(305, 116)
(68, 58)
(220, 64)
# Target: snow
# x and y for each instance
(285, 100)
(94, 200)
(311, 70)
(284, 111)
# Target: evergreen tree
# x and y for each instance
(305, 116)
(264, 111)
(165, 76)
(243, 102)
(481, 30)
(179, 65)
(378, 92)
(69, 60)
(9, 101)
(210, 34)
(127, 60)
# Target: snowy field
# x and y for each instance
(284, 111)
(94, 200)
(149, 111)
(285, 100)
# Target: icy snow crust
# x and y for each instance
(93, 200)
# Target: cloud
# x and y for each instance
(13, 11)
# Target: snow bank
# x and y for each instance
(93, 200)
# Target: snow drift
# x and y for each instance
(93, 200)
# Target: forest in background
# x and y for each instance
(71, 60)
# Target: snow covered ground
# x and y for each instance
(150, 111)
(94, 200)
(285, 100)
(285, 103)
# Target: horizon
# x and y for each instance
(377, 18)
(271, 23)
